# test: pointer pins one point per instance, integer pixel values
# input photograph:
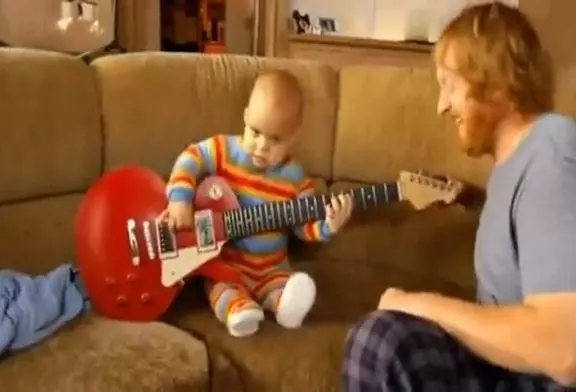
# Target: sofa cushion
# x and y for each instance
(387, 122)
(153, 105)
(309, 358)
(50, 139)
(97, 354)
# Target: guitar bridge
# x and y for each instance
(166, 241)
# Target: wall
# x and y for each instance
(386, 19)
(555, 21)
(32, 23)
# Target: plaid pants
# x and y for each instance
(397, 352)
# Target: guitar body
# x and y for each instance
(132, 266)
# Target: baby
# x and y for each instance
(258, 167)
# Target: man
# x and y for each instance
(496, 81)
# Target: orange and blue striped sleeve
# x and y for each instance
(196, 161)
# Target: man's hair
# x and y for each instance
(496, 47)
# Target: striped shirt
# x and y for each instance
(223, 155)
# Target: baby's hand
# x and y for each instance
(338, 211)
(178, 214)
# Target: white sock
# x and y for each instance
(244, 322)
(296, 300)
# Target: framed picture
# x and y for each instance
(327, 25)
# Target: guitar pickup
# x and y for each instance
(166, 241)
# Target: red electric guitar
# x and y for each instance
(133, 265)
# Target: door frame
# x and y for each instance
(139, 25)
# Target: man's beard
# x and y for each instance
(476, 133)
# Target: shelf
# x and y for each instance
(344, 41)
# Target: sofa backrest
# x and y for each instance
(153, 105)
(51, 134)
(387, 122)
(64, 121)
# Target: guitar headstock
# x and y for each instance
(422, 190)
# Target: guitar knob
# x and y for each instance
(121, 300)
(131, 277)
(109, 281)
(146, 297)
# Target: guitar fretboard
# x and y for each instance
(245, 221)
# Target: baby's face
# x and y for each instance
(268, 137)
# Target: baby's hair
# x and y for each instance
(285, 84)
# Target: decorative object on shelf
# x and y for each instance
(327, 25)
(301, 22)
(87, 13)
(80, 11)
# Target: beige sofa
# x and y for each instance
(65, 122)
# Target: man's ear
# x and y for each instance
(245, 114)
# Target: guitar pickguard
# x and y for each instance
(176, 269)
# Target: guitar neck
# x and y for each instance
(245, 221)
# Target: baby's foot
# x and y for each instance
(244, 322)
(296, 300)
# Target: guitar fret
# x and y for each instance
(262, 216)
(277, 212)
(254, 217)
(285, 210)
(271, 215)
(240, 222)
(228, 225)
(246, 222)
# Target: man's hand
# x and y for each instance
(338, 211)
(535, 337)
(178, 215)
(402, 301)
